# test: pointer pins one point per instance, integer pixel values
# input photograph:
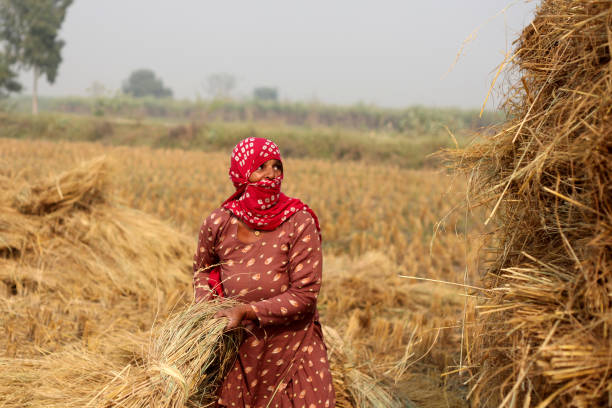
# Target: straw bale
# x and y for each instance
(70, 378)
(84, 280)
(543, 333)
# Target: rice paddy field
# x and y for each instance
(486, 286)
(96, 252)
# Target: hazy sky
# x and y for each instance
(390, 53)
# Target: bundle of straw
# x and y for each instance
(188, 357)
(543, 334)
(83, 186)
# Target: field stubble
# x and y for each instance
(378, 223)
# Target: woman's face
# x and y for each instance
(270, 170)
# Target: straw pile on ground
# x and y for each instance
(187, 360)
(95, 304)
(75, 264)
(353, 387)
(181, 364)
(543, 335)
(82, 281)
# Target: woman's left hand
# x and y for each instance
(236, 315)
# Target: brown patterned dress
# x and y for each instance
(283, 361)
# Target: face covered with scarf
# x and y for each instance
(260, 204)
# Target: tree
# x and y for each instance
(220, 85)
(97, 90)
(8, 81)
(265, 93)
(143, 82)
(29, 30)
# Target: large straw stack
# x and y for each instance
(543, 335)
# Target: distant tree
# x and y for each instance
(98, 90)
(8, 81)
(143, 82)
(265, 93)
(29, 30)
(220, 85)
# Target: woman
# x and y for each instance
(268, 246)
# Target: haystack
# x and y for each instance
(74, 262)
(543, 335)
(82, 280)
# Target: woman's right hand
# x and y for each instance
(236, 315)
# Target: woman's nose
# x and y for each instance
(269, 174)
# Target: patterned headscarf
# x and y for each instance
(259, 205)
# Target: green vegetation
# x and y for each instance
(408, 151)
(265, 93)
(29, 32)
(143, 82)
(413, 121)
(8, 77)
(404, 137)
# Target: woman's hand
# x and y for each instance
(236, 315)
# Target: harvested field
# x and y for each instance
(87, 280)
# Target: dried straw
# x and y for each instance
(84, 186)
(78, 271)
(543, 333)
(75, 264)
(354, 388)
(188, 359)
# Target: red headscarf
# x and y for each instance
(259, 205)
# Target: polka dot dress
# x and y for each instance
(283, 361)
